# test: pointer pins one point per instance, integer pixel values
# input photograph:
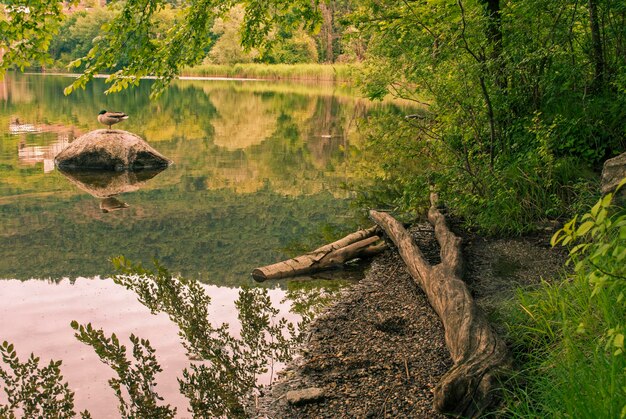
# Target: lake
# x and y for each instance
(258, 176)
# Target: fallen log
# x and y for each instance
(478, 354)
(360, 244)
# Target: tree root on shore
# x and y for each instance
(479, 355)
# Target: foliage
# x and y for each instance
(517, 93)
(568, 336)
(33, 391)
(137, 379)
(77, 34)
(293, 48)
(387, 173)
(227, 49)
(223, 371)
(26, 29)
(515, 96)
(220, 386)
(132, 33)
(600, 255)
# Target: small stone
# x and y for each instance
(304, 396)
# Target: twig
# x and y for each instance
(277, 399)
(406, 368)
(384, 409)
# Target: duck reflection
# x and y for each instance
(108, 185)
(112, 204)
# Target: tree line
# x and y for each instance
(81, 28)
(522, 101)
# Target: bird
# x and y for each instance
(110, 118)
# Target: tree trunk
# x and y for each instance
(494, 34)
(596, 45)
(479, 355)
(327, 32)
(360, 244)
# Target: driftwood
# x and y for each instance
(363, 243)
(479, 355)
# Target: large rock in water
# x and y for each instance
(613, 172)
(105, 149)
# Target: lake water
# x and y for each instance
(257, 177)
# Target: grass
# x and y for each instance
(557, 336)
(309, 72)
(567, 336)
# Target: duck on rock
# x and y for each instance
(111, 118)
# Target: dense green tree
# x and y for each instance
(132, 33)
(227, 49)
(520, 97)
(26, 30)
(76, 36)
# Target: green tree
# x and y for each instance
(26, 30)
(132, 33)
(76, 37)
(521, 96)
(227, 49)
(514, 92)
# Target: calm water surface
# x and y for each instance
(257, 177)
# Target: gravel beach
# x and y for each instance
(379, 350)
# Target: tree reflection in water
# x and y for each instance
(222, 372)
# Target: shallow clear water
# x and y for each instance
(257, 177)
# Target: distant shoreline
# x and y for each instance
(326, 73)
(103, 76)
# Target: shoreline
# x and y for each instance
(301, 73)
(379, 349)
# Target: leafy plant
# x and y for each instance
(135, 382)
(33, 391)
(220, 385)
(224, 370)
(568, 335)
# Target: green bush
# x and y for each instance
(568, 337)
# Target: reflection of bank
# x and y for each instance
(37, 154)
(107, 185)
(33, 154)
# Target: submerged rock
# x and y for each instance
(111, 204)
(105, 149)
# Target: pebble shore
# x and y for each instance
(379, 350)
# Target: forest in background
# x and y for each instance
(522, 101)
(331, 44)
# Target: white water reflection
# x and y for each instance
(35, 316)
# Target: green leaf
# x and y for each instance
(584, 228)
(556, 238)
(618, 341)
(596, 208)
